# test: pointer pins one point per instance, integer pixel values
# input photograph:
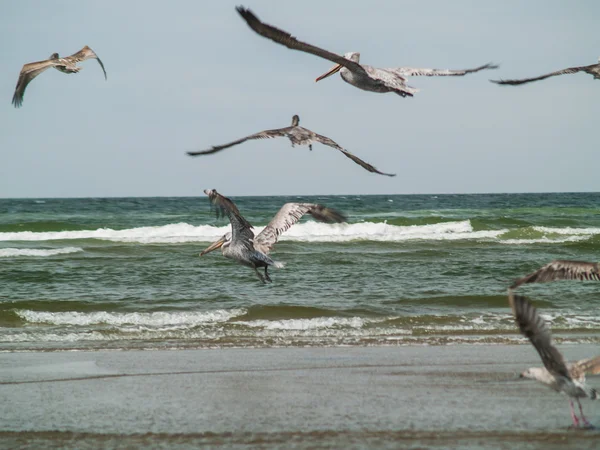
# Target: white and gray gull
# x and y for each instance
(68, 64)
(558, 375)
(592, 69)
(298, 136)
(253, 251)
(361, 76)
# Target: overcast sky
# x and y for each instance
(185, 75)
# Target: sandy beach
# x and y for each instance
(376, 397)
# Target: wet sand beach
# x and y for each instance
(376, 397)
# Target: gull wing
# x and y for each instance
(590, 366)
(28, 73)
(266, 134)
(285, 38)
(414, 72)
(535, 328)
(329, 142)
(288, 215)
(561, 270)
(548, 75)
(83, 54)
(241, 230)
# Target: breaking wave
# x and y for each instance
(13, 252)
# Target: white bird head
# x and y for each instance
(222, 243)
(352, 56)
(537, 373)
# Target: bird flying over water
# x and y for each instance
(253, 251)
(556, 374)
(298, 136)
(561, 270)
(68, 64)
(593, 69)
(361, 76)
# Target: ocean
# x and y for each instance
(125, 273)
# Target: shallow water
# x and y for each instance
(419, 269)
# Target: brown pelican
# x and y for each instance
(593, 69)
(298, 136)
(556, 374)
(561, 270)
(65, 65)
(361, 76)
(243, 246)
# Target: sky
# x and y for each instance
(188, 74)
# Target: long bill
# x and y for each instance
(213, 246)
(331, 72)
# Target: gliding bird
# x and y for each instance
(593, 69)
(243, 246)
(298, 136)
(561, 270)
(68, 64)
(361, 76)
(556, 374)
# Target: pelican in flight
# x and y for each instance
(556, 373)
(253, 251)
(593, 69)
(68, 64)
(361, 76)
(298, 136)
(561, 270)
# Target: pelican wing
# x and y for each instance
(548, 75)
(285, 38)
(241, 230)
(86, 53)
(326, 141)
(561, 270)
(589, 366)
(535, 328)
(288, 215)
(414, 72)
(28, 73)
(267, 134)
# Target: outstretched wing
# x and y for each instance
(535, 328)
(241, 230)
(86, 53)
(28, 73)
(548, 75)
(561, 270)
(267, 134)
(285, 38)
(414, 72)
(288, 215)
(326, 141)
(589, 366)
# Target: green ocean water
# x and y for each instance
(118, 273)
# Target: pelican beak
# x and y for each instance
(331, 72)
(213, 246)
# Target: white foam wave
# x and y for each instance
(12, 252)
(308, 324)
(569, 231)
(153, 319)
(544, 240)
(306, 232)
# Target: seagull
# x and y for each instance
(298, 136)
(361, 76)
(593, 69)
(561, 270)
(253, 251)
(556, 374)
(68, 64)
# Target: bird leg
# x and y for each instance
(573, 416)
(260, 276)
(585, 421)
(310, 147)
(267, 275)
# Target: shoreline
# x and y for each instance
(304, 397)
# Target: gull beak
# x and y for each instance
(213, 246)
(331, 72)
